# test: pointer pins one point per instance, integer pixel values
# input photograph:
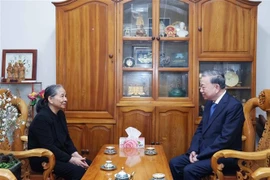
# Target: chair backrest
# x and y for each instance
(262, 102)
(12, 141)
(16, 145)
(245, 164)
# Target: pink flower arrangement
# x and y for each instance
(35, 96)
(131, 151)
(130, 143)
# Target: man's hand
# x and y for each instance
(193, 157)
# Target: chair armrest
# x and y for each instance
(38, 152)
(260, 173)
(6, 174)
(24, 138)
(217, 168)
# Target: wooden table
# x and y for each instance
(132, 160)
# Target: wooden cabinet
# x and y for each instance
(85, 66)
(139, 118)
(160, 125)
(174, 127)
(137, 63)
(226, 28)
(155, 81)
(88, 138)
(85, 54)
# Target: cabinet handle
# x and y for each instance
(152, 143)
(200, 29)
(87, 151)
(153, 38)
(158, 38)
(82, 151)
(110, 55)
(157, 143)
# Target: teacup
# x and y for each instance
(110, 149)
(150, 150)
(108, 164)
(158, 176)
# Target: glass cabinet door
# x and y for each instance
(137, 18)
(155, 49)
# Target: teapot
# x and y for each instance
(122, 175)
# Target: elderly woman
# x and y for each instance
(49, 130)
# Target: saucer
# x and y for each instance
(110, 152)
(150, 153)
(108, 168)
(158, 176)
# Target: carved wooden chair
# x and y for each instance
(6, 174)
(252, 164)
(15, 145)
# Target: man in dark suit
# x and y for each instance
(221, 129)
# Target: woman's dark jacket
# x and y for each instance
(49, 131)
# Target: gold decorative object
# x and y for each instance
(135, 90)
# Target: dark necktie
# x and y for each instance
(213, 107)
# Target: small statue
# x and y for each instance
(9, 72)
(139, 21)
(181, 31)
(141, 32)
(21, 72)
(162, 29)
(140, 26)
(127, 31)
(16, 71)
(170, 31)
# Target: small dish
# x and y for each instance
(103, 167)
(158, 176)
(110, 151)
(150, 153)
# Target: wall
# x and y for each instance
(30, 24)
(263, 46)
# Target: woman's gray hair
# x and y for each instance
(49, 91)
(217, 77)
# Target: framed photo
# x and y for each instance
(179, 59)
(143, 55)
(163, 23)
(28, 57)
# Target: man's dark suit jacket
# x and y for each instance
(222, 131)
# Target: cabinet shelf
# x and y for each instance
(137, 38)
(14, 83)
(137, 69)
(238, 88)
(172, 69)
